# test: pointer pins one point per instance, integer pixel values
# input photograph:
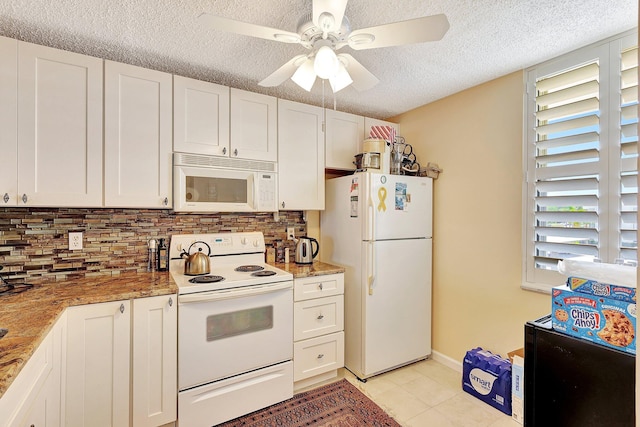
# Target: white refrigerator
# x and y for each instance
(379, 228)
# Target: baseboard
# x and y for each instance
(446, 361)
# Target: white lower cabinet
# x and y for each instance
(96, 378)
(318, 325)
(154, 362)
(33, 400)
(116, 347)
(107, 364)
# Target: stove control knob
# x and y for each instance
(255, 243)
(243, 240)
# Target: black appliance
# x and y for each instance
(572, 382)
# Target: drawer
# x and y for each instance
(318, 286)
(316, 317)
(316, 356)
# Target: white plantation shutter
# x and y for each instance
(581, 153)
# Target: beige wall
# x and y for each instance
(475, 136)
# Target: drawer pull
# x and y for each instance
(320, 317)
(6, 198)
(320, 286)
(320, 356)
(121, 308)
(170, 301)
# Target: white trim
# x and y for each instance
(446, 361)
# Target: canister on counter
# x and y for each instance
(279, 244)
(271, 254)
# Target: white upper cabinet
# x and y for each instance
(344, 134)
(200, 117)
(138, 137)
(300, 156)
(254, 132)
(9, 121)
(59, 127)
(368, 122)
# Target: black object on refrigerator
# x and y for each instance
(572, 382)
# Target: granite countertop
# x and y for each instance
(318, 268)
(30, 315)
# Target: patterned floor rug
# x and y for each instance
(339, 404)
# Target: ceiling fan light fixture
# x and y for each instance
(305, 75)
(326, 63)
(341, 80)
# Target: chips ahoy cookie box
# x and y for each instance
(606, 321)
(487, 376)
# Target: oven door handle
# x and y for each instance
(234, 293)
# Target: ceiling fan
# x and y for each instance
(327, 30)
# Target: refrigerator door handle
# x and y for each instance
(370, 223)
(371, 266)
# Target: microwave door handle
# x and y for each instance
(251, 182)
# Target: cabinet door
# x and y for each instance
(138, 117)
(253, 126)
(59, 127)
(300, 156)
(344, 134)
(154, 368)
(8, 121)
(368, 122)
(96, 379)
(200, 117)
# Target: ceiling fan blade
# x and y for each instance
(283, 73)
(425, 29)
(362, 78)
(244, 28)
(335, 8)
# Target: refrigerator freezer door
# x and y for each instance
(396, 206)
(396, 314)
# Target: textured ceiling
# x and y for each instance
(487, 39)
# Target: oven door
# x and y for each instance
(225, 333)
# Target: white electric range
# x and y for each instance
(235, 329)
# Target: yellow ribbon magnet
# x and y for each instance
(382, 195)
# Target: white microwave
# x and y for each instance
(223, 184)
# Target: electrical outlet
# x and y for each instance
(75, 241)
(291, 233)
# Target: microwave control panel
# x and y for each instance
(266, 191)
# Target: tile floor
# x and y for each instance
(429, 394)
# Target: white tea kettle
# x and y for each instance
(304, 250)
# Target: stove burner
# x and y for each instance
(206, 279)
(12, 289)
(248, 268)
(264, 273)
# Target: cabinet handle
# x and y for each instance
(320, 356)
(224, 150)
(320, 317)
(24, 198)
(282, 205)
(320, 286)
(165, 201)
(235, 152)
(121, 308)
(170, 302)
(6, 197)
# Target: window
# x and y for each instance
(581, 154)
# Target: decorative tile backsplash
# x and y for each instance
(34, 241)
